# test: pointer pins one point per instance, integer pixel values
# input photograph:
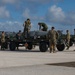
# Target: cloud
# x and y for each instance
(21, 5)
(58, 16)
(26, 13)
(8, 1)
(70, 18)
(55, 14)
(11, 26)
(19, 1)
(4, 13)
(28, 1)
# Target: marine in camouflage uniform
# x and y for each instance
(27, 26)
(68, 39)
(43, 25)
(3, 41)
(53, 36)
(18, 37)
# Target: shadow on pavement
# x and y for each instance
(21, 50)
(65, 64)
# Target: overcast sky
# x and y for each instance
(57, 13)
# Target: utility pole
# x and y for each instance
(74, 31)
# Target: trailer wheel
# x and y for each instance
(30, 46)
(12, 45)
(60, 47)
(43, 46)
(6, 45)
(71, 42)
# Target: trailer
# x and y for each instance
(32, 39)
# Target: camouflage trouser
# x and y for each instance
(2, 45)
(25, 32)
(68, 44)
(52, 46)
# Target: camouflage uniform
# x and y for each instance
(18, 37)
(3, 40)
(27, 26)
(53, 35)
(44, 26)
(67, 39)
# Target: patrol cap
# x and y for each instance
(67, 30)
(28, 19)
(53, 28)
(19, 30)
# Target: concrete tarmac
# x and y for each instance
(34, 62)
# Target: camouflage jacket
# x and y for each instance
(52, 35)
(2, 38)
